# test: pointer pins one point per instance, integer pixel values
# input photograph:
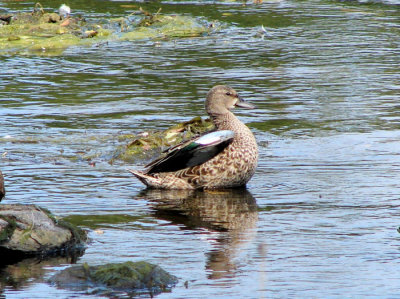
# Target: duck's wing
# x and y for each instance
(193, 152)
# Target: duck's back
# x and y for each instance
(234, 166)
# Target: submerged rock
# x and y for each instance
(142, 146)
(129, 278)
(42, 32)
(27, 230)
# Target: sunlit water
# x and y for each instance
(320, 215)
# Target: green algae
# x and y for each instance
(143, 145)
(27, 230)
(130, 277)
(110, 221)
(44, 33)
(79, 236)
(7, 232)
(136, 275)
(168, 27)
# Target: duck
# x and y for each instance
(223, 158)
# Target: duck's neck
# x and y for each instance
(227, 121)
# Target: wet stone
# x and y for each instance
(27, 230)
(116, 279)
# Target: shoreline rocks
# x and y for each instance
(28, 230)
(30, 235)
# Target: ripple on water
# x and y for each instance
(324, 78)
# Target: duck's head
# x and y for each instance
(222, 98)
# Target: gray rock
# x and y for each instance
(116, 280)
(30, 230)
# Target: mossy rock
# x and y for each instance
(45, 33)
(27, 230)
(168, 27)
(129, 278)
(144, 145)
(7, 227)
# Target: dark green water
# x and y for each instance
(325, 79)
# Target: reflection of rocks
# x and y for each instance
(116, 280)
(29, 230)
(31, 270)
(2, 190)
(231, 212)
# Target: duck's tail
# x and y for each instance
(144, 178)
(170, 182)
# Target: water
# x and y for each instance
(320, 215)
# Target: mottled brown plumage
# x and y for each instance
(231, 166)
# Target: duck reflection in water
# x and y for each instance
(231, 213)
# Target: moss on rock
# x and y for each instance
(129, 277)
(7, 227)
(41, 32)
(142, 146)
(136, 275)
(27, 230)
(79, 236)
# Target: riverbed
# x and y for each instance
(320, 216)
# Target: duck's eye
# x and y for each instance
(228, 93)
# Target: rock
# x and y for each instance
(45, 33)
(129, 278)
(27, 230)
(51, 18)
(2, 190)
(142, 146)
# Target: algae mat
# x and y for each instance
(48, 33)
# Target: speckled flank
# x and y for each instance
(232, 168)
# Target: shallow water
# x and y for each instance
(320, 215)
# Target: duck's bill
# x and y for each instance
(243, 104)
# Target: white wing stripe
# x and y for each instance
(214, 137)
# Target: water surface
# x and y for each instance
(319, 217)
